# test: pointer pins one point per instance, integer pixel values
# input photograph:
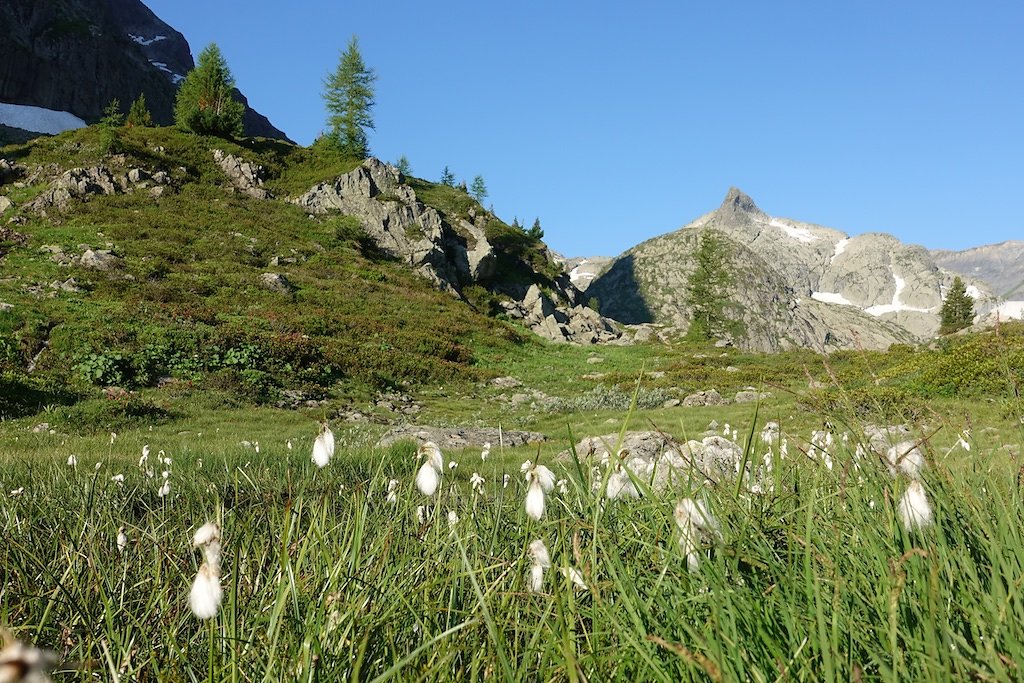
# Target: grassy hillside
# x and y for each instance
(186, 307)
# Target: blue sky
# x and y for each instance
(616, 122)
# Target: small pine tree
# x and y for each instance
(707, 288)
(138, 114)
(110, 142)
(205, 102)
(403, 165)
(535, 231)
(348, 94)
(516, 224)
(447, 177)
(957, 309)
(479, 189)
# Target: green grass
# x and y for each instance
(323, 578)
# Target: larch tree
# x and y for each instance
(205, 102)
(348, 95)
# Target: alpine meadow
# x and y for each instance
(285, 412)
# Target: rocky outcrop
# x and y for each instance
(78, 55)
(556, 319)
(662, 463)
(245, 176)
(451, 255)
(794, 284)
(82, 183)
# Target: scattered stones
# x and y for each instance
(750, 396)
(397, 402)
(709, 397)
(276, 282)
(671, 403)
(506, 382)
(460, 437)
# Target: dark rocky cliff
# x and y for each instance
(78, 55)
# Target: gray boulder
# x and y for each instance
(276, 282)
(460, 437)
(100, 259)
(5, 203)
(709, 397)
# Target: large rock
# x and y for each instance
(100, 259)
(664, 464)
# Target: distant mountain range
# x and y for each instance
(75, 56)
(798, 284)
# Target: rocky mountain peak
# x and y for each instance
(738, 202)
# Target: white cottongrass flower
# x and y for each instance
(98, 466)
(539, 561)
(17, 492)
(24, 663)
(962, 440)
(563, 486)
(539, 480)
(145, 455)
(453, 518)
(620, 485)
(914, 510)
(113, 438)
(118, 479)
(428, 478)
(575, 577)
(698, 528)
(905, 457)
(289, 444)
(453, 465)
(323, 446)
(256, 446)
(206, 592)
(72, 461)
(122, 540)
(477, 482)
(505, 479)
(392, 496)
(421, 514)
(165, 489)
(485, 452)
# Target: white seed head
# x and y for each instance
(697, 527)
(535, 500)
(477, 482)
(914, 509)
(535, 579)
(165, 489)
(538, 554)
(905, 457)
(122, 540)
(323, 447)
(206, 592)
(427, 479)
(430, 451)
(206, 534)
(453, 518)
(575, 577)
(24, 663)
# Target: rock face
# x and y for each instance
(795, 284)
(1000, 266)
(81, 183)
(245, 176)
(451, 256)
(78, 55)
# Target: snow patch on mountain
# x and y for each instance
(840, 248)
(799, 234)
(38, 119)
(896, 306)
(832, 298)
(146, 41)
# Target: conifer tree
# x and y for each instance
(110, 142)
(535, 231)
(479, 189)
(348, 94)
(205, 103)
(707, 288)
(447, 177)
(403, 165)
(957, 309)
(139, 114)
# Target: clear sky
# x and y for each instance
(616, 122)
